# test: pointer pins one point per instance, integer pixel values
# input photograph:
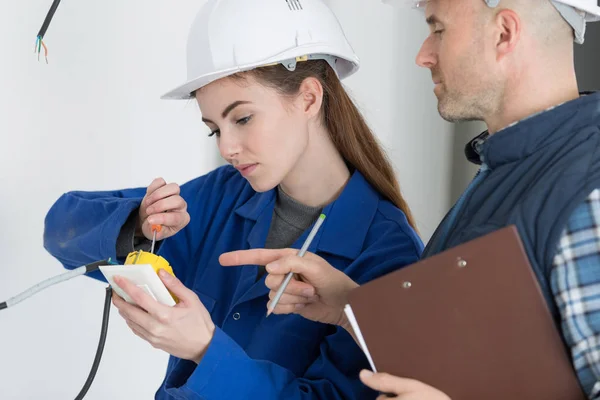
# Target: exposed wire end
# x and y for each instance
(44, 28)
(45, 51)
(37, 43)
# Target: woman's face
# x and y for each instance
(258, 131)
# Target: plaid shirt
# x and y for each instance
(575, 282)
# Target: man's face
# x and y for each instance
(461, 65)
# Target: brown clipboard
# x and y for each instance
(470, 321)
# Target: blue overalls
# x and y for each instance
(249, 357)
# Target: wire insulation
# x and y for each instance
(40, 36)
(43, 285)
(53, 281)
(105, 315)
(48, 19)
(101, 342)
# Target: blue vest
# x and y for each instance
(533, 174)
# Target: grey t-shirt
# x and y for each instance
(290, 219)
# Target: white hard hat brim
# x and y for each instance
(591, 10)
(184, 92)
(346, 66)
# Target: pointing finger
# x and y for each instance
(254, 256)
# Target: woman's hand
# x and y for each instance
(184, 330)
(162, 205)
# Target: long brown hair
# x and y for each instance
(347, 128)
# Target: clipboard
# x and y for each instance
(471, 321)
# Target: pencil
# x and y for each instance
(301, 253)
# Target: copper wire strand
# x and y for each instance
(39, 43)
(45, 50)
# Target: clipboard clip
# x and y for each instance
(460, 263)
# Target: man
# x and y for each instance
(508, 63)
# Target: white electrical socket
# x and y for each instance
(141, 275)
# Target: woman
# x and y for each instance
(267, 80)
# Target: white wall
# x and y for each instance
(92, 120)
(397, 98)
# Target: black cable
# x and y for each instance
(49, 17)
(91, 267)
(103, 331)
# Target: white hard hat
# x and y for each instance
(575, 12)
(230, 36)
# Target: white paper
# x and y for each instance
(358, 334)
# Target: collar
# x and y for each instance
(254, 206)
(347, 222)
(529, 135)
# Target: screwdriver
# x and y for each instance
(155, 228)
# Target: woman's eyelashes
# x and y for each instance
(241, 121)
(244, 121)
(215, 132)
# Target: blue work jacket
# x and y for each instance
(250, 356)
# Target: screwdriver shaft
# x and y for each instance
(153, 242)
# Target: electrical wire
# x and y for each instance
(42, 32)
(45, 284)
(48, 18)
(52, 281)
(101, 342)
(39, 43)
(105, 315)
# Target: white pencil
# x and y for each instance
(301, 253)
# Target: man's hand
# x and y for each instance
(318, 292)
(400, 388)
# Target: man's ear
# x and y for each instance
(508, 31)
